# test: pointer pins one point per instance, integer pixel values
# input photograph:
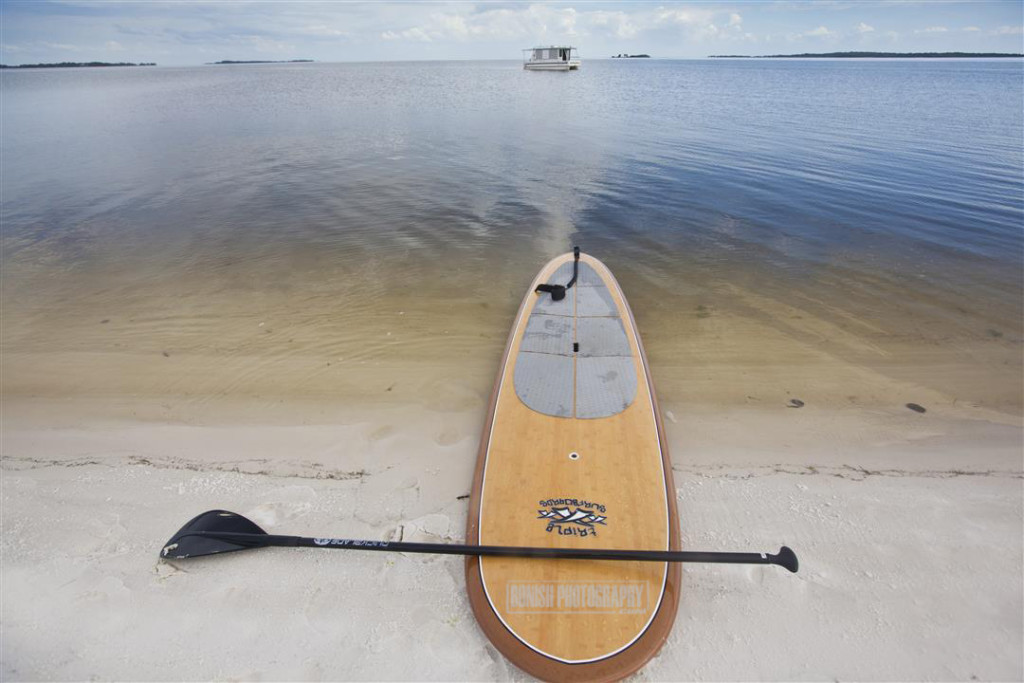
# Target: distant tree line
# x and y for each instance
(262, 61)
(69, 65)
(877, 55)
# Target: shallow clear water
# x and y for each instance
(881, 191)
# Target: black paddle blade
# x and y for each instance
(786, 558)
(189, 541)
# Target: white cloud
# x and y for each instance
(864, 28)
(505, 24)
(414, 33)
(820, 31)
(932, 29)
(972, 29)
(1009, 31)
(708, 31)
(617, 24)
(322, 30)
(683, 17)
(113, 46)
(698, 25)
(545, 23)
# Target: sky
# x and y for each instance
(187, 32)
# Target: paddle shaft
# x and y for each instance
(259, 540)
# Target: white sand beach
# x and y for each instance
(908, 526)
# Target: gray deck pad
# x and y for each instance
(604, 386)
(544, 382)
(548, 334)
(602, 337)
(547, 305)
(594, 302)
(597, 381)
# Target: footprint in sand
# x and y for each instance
(449, 397)
(272, 514)
(431, 528)
(448, 436)
(382, 432)
(165, 570)
(109, 589)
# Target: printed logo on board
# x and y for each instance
(571, 516)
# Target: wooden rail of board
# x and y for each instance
(565, 620)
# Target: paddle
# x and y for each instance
(219, 531)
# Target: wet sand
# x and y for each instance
(214, 324)
(355, 409)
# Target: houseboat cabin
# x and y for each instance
(551, 58)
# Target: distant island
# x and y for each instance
(72, 65)
(625, 56)
(262, 61)
(873, 55)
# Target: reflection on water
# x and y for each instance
(275, 218)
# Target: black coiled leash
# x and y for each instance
(557, 292)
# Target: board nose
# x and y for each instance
(575, 359)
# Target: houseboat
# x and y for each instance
(551, 58)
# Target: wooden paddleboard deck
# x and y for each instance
(573, 455)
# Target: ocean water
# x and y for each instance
(174, 210)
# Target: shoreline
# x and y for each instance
(119, 425)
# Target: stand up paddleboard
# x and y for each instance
(573, 456)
